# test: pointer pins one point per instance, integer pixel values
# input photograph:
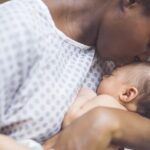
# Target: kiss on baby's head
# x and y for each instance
(130, 85)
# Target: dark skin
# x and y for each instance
(96, 130)
(102, 127)
(119, 31)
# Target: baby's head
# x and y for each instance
(130, 85)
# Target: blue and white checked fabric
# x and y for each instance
(41, 71)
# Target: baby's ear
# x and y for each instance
(129, 94)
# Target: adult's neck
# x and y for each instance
(78, 19)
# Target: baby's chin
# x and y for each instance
(100, 90)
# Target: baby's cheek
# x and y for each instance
(102, 89)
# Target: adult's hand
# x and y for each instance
(101, 127)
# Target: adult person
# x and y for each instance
(37, 58)
(117, 29)
(100, 122)
(113, 27)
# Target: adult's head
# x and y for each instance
(124, 30)
(119, 29)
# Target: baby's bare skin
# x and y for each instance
(87, 100)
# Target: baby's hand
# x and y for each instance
(74, 112)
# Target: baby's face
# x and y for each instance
(113, 83)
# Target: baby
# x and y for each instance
(126, 88)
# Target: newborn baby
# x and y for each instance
(126, 88)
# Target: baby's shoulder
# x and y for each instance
(106, 97)
(108, 101)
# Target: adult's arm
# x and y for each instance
(101, 127)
